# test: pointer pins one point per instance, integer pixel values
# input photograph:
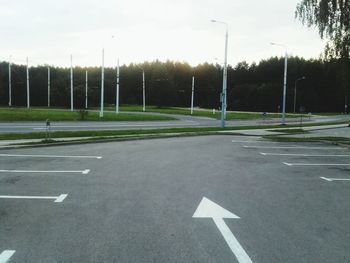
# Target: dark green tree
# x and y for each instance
(332, 17)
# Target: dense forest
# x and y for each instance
(255, 87)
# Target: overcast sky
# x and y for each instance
(48, 31)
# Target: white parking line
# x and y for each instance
(295, 147)
(50, 156)
(86, 171)
(305, 155)
(252, 141)
(335, 179)
(58, 199)
(316, 164)
(6, 255)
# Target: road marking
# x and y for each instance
(6, 255)
(295, 147)
(335, 179)
(209, 209)
(50, 156)
(254, 141)
(317, 164)
(306, 155)
(86, 171)
(58, 199)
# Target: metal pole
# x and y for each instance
(224, 84)
(86, 89)
(143, 91)
(117, 91)
(284, 89)
(28, 91)
(48, 86)
(102, 82)
(10, 84)
(295, 95)
(192, 96)
(71, 82)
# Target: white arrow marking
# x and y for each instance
(306, 155)
(335, 179)
(209, 209)
(50, 156)
(317, 164)
(6, 255)
(58, 199)
(86, 171)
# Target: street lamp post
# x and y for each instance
(102, 82)
(10, 88)
(71, 83)
(192, 95)
(295, 91)
(143, 89)
(117, 90)
(284, 82)
(28, 90)
(223, 96)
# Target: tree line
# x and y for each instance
(251, 87)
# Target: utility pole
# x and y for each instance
(117, 91)
(143, 91)
(192, 95)
(48, 87)
(102, 82)
(223, 97)
(71, 82)
(28, 91)
(10, 84)
(86, 89)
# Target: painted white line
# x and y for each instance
(41, 171)
(209, 209)
(234, 141)
(295, 147)
(316, 164)
(305, 155)
(58, 199)
(6, 255)
(335, 179)
(50, 156)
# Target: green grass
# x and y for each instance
(203, 113)
(20, 114)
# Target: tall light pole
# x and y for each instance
(223, 96)
(192, 96)
(71, 82)
(102, 82)
(48, 87)
(284, 82)
(295, 91)
(10, 84)
(86, 88)
(143, 91)
(117, 90)
(28, 91)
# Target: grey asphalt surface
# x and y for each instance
(136, 204)
(182, 122)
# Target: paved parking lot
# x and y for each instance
(196, 199)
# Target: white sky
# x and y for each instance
(48, 31)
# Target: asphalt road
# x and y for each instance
(136, 203)
(182, 122)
